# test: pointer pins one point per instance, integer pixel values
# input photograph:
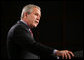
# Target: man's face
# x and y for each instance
(34, 17)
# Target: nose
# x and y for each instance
(38, 18)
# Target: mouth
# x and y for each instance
(37, 21)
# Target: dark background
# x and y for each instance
(60, 27)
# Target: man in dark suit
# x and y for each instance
(21, 43)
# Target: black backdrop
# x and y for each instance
(60, 27)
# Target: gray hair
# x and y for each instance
(29, 9)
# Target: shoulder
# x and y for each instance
(19, 25)
(19, 28)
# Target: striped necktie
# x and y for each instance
(31, 32)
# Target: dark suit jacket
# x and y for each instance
(21, 45)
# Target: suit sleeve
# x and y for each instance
(23, 38)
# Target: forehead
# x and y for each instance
(36, 10)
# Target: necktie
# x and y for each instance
(31, 32)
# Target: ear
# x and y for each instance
(25, 14)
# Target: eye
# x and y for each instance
(36, 14)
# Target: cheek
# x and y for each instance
(31, 19)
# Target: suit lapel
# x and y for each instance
(26, 27)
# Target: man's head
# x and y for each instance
(31, 15)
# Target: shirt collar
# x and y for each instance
(23, 22)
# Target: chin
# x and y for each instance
(35, 25)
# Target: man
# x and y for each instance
(21, 43)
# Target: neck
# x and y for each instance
(26, 22)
